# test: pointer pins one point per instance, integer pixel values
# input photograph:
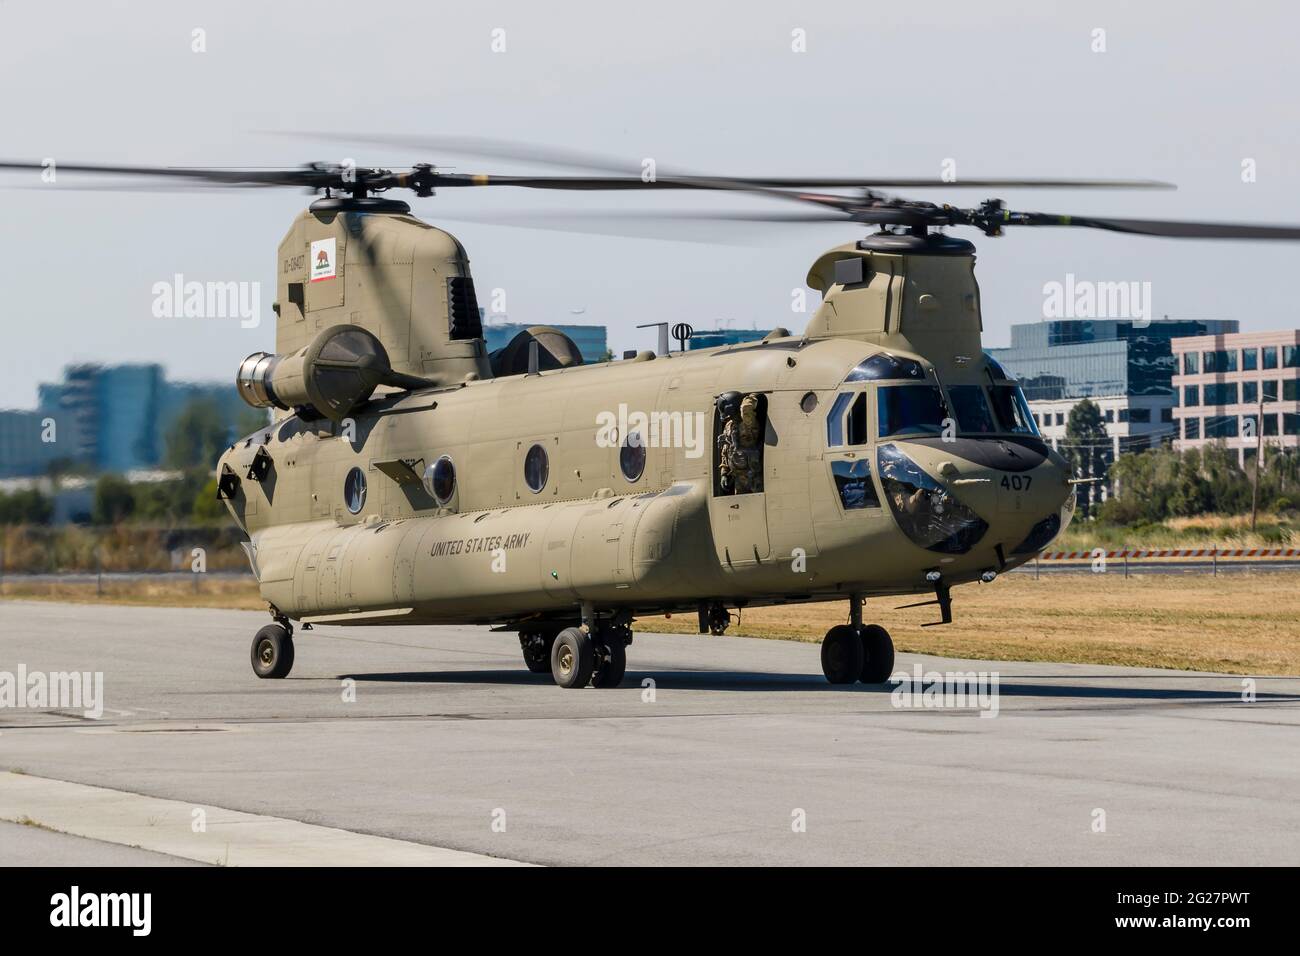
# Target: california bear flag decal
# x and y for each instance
(323, 259)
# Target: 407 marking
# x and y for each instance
(1016, 482)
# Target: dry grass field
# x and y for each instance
(239, 593)
(1237, 623)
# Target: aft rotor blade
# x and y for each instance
(228, 177)
(1177, 229)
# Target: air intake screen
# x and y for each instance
(462, 309)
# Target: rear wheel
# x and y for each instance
(611, 659)
(842, 654)
(878, 654)
(572, 658)
(537, 651)
(272, 652)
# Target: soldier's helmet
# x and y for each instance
(729, 404)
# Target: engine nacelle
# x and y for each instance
(335, 374)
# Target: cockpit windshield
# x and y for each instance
(1011, 414)
(972, 409)
(910, 409)
(1012, 409)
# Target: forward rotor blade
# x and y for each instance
(488, 148)
(483, 147)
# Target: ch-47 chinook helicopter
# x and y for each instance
(409, 477)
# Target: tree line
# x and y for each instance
(1155, 484)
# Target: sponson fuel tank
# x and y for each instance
(541, 557)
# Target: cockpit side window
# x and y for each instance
(835, 420)
(850, 429)
(854, 485)
(858, 420)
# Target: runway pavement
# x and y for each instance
(740, 752)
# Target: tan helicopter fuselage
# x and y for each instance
(508, 544)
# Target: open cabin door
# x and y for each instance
(738, 505)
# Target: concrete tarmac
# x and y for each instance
(714, 751)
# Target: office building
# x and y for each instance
(106, 418)
(1242, 390)
(1125, 368)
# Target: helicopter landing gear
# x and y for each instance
(611, 655)
(537, 650)
(878, 649)
(594, 653)
(714, 618)
(272, 651)
(573, 657)
(842, 654)
(857, 651)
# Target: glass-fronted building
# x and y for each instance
(1125, 368)
(107, 418)
(1087, 358)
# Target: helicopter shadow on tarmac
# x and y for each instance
(1063, 688)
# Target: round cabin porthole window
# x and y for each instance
(536, 468)
(631, 457)
(440, 480)
(354, 490)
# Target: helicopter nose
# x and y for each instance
(977, 496)
(1025, 509)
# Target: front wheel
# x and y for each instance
(842, 654)
(272, 652)
(878, 651)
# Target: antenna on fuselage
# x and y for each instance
(663, 335)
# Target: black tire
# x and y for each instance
(272, 652)
(611, 661)
(537, 652)
(573, 658)
(842, 655)
(878, 654)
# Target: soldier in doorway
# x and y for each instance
(740, 444)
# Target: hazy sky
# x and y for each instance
(1181, 93)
